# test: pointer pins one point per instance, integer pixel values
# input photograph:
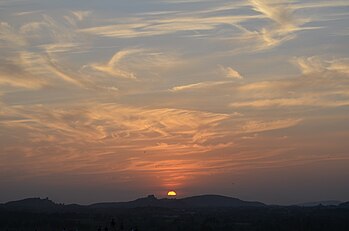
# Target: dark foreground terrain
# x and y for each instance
(37, 214)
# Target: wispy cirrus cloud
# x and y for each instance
(34, 63)
(172, 23)
(318, 74)
(172, 93)
(282, 26)
(81, 15)
(113, 68)
(278, 11)
(93, 120)
(302, 101)
(33, 71)
(196, 86)
(316, 64)
(286, 20)
(95, 132)
(231, 73)
(137, 64)
(320, 4)
(262, 126)
(226, 72)
(163, 141)
(10, 37)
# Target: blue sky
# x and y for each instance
(111, 100)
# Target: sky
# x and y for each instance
(112, 100)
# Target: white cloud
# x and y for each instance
(9, 37)
(282, 26)
(263, 126)
(279, 11)
(113, 67)
(81, 15)
(310, 101)
(229, 72)
(323, 83)
(195, 86)
(165, 24)
(316, 64)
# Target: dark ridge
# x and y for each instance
(148, 201)
(35, 204)
(317, 203)
(345, 205)
(219, 201)
(40, 205)
(203, 201)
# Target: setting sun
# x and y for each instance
(172, 193)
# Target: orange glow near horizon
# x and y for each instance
(171, 193)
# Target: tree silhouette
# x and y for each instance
(121, 227)
(113, 224)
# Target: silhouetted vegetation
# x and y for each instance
(269, 218)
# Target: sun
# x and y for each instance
(172, 193)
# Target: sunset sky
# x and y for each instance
(111, 100)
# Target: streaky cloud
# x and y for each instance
(113, 68)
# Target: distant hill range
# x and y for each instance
(317, 203)
(204, 201)
(345, 205)
(32, 204)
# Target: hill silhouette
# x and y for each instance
(40, 205)
(218, 201)
(32, 204)
(197, 213)
(202, 201)
(317, 203)
(345, 204)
